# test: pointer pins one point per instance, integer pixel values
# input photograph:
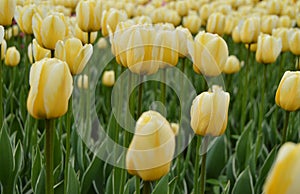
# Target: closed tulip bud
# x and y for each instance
(50, 30)
(175, 128)
(209, 112)
(8, 33)
(204, 13)
(83, 82)
(74, 53)
(7, 11)
(290, 11)
(3, 49)
(24, 16)
(268, 49)
(102, 43)
(274, 7)
(1, 34)
(108, 78)
(182, 8)
(30, 53)
(285, 22)
(268, 23)
(216, 24)
(88, 14)
(192, 22)
(250, 30)
(284, 176)
(282, 33)
(236, 35)
(39, 52)
(142, 20)
(253, 47)
(230, 23)
(288, 91)
(153, 137)
(83, 36)
(172, 17)
(15, 30)
(110, 20)
(12, 57)
(66, 3)
(183, 35)
(294, 42)
(209, 53)
(232, 65)
(51, 86)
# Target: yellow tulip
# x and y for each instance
(108, 78)
(83, 36)
(110, 20)
(250, 30)
(216, 23)
(236, 35)
(102, 43)
(183, 35)
(7, 11)
(209, 53)
(67, 3)
(15, 29)
(172, 17)
(88, 14)
(30, 53)
(209, 112)
(1, 34)
(74, 53)
(294, 42)
(288, 91)
(284, 176)
(8, 33)
(3, 49)
(152, 148)
(83, 82)
(285, 22)
(253, 47)
(51, 86)
(204, 13)
(142, 20)
(274, 7)
(192, 22)
(268, 49)
(175, 128)
(230, 23)
(50, 29)
(232, 65)
(282, 33)
(39, 52)
(12, 57)
(268, 23)
(182, 8)
(24, 16)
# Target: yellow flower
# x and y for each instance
(108, 78)
(192, 22)
(232, 65)
(216, 23)
(250, 30)
(182, 7)
(102, 43)
(83, 82)
(274, 7)
(268, 49)
(209, 53)
(12, 57)
(209, 112)
(236, 35)
(284, 176)
(1, 34)
(3, 49)
(67, 3)
(50, 29)
(183, 35)
(152, 148)
(268, 23)
(230, 23)
(282, 33)
(253, 47)
(172, 17)
(7, 11)
(110, 20)
(51, 86)
(74, 53)
(294, 42)
(88, 14)
(285, 22)
(288, 91)
(83, 36)
(24, 16)
(39, 52)
(205, 12)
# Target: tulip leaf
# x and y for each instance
(18, 156)
(162, 186)
(227, 188)
(243, 183)
(130, 186)
(36, 167)
(40, 183)
(73, 182)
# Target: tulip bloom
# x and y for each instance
(24, 16)
(108, 78)
(250, 30)
(39, 52)
(288, 91)
(268, 49)
(209, 112)
(294, 42)
(1, 34)
(192, 22)
(284, 176)
(232, 65)
(268, 23)
(152, 148)
(74, 53)
(83, 82)
(7, 11)
(183, 35)
(51, 86)
(282, 33)
(110, 19)
(3, 49)
(12, 57)
(216, 24)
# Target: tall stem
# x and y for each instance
(49, 156)
(68, 131)
(285, 127)
(147, 187)
(203, 166)
(262, 101)
(197, 162)
(140, 97)
(163, 86)
(137, 185)
(1, 86)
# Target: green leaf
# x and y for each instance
(243, 148)
(18, 156)
(130, 186)
(172, 185)
(73, 182)
(40, 183)
(162, 186)
(36, 167)
(227, 188)
(244, 183)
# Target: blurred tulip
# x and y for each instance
(30, 53)
(172, 17)
(102, 43)
(142, 20)
(192, 22)
(209, 53)
(39, 52)
(83, 36)
(209, 112)
(12, 57)
(284, 176)
(268, 49)
(253, 47)
(182, 8)
(3, 49)
(282, 33)
(7, 11)
(24, 16)
(250, 30)
(108, 78)
(67, 3)
(236, 35)
(153, 137)
(285, 22)
(83, 82)
(1, 33)
(232, 65)
(230, 23)
(216, 24)
(74, 53)
(294, 41)
(15, 30)
(110, 20)
(268, 23)
(204, 13)
(274, 7)
(288, 91)
(8, 33)
(175, 128)
(51, 86)
(183, 35)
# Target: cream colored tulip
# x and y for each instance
(3, 49)
(288, 91)
(172, 17)
(209, 112)
(83, 36)
(268, 23)
(51, 86)
(182, 8)
(39, 52)
(284, 177)
(216, 23)
(1, 33)
(66, 3)
(285, 22)
(183, 35)
(152, 148)
(102, 43)
(83, 82)
(7, 11)
(274, 7)
(12, 57)
(204, 13)
(108, 78)
(230, 23)
(250, 30)
(110, 20)
(192, 22)
(268, 49)
(236, 35)
(24, 16)
(282, 33)
(294, 41)
(232, 65)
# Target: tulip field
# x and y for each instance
(149, 96)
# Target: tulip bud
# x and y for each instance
(175, 128)
(30, 53)
(8, 33)
(15, 30)
(102, 43)
(110, 19)
(24, 16)
(39, 52)
(183, 35)
(1, 34)
(253, 47)
(268, 49)
(268, 23)
(7, 11)
(182, 8)
(192, 22)
(232, 65)
(83, 82)
(83, 36)
(274, 7)
(288, 93)
(282, 33)
(250, 30)
(284, 176)
(294, 42)
(74, 53)
(108, 78)
(209, 53)
(172, 17)
(12, 57)
(236, 35)
(285, 22)
(204, 13)
(153, 137)
(3, 49)
(216, 24)
(51, 86)
(209, 112)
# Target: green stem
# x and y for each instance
(203, 166)
(49, 156)
(147, 187)
(285, 127)
(68, 131)
(163, 86)
(137, 185)
(140, 97)
(1, 86)
(11, 88)
(262, 101)
(197, 162)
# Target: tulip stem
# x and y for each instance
(197, 162)
(68, 127)
(137, 185)
(140, 97)
(147, 187)
(285, 127)
(1, 86)
(203, 166)
(163, 86)
(262, 101)
(49, 156)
